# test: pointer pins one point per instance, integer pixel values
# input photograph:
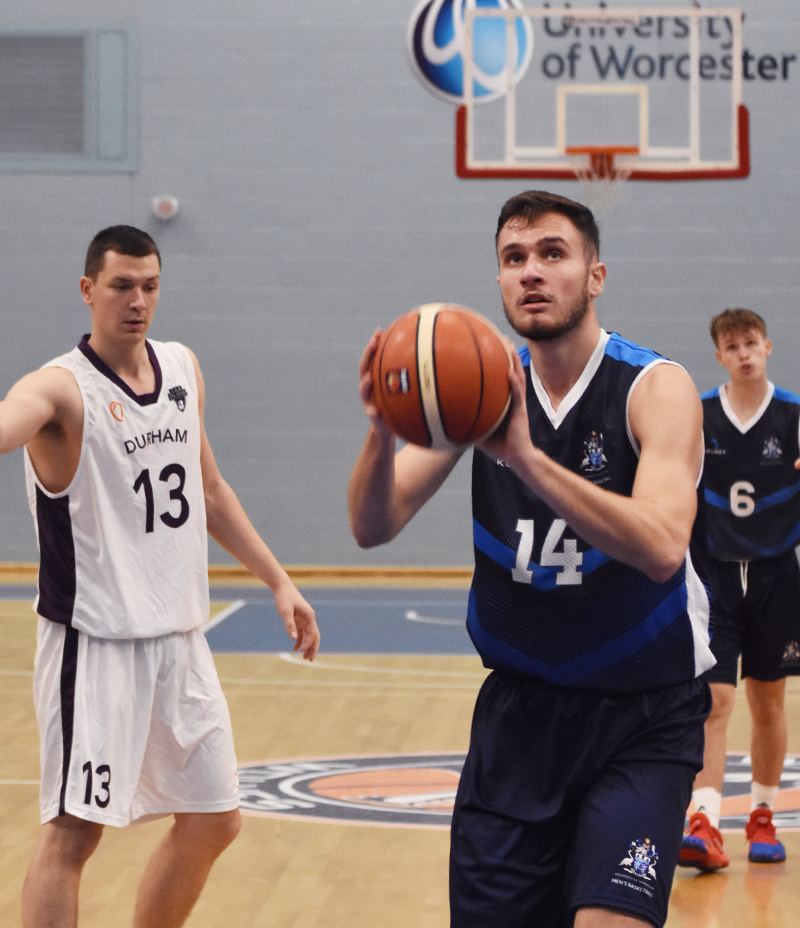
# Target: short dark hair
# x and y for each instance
(124, 240)
(736, 320)
(532, 204)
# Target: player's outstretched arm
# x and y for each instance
(229, 525)
(40, 399)
(649, 530)
(386, 488)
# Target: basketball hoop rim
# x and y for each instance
(599, 167)
(601, 150)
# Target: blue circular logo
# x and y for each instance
(436, 44)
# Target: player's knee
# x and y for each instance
(212, 832)
(724, 697)
(71, 840)
(229, 827)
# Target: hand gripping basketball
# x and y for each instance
(440, 376)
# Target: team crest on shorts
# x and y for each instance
(791, 653)
(641, 860)
(178, 396)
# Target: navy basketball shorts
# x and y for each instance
(572, 799)
(755, 614)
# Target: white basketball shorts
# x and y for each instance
(131, 729)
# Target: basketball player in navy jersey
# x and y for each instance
(123, 486)
(585, 603)
(751, 484)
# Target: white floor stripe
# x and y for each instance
(292, 658)
(220, 617)
(413, 616)
(345, 684)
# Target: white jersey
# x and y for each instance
(123, 550)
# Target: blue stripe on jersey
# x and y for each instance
(622, 350)
(714, 499)
(589, 664)
(710, 395)
(792, 539)
(544, 578)
(786, 395)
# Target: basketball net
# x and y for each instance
(601, 169)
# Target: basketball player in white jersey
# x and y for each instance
(123, 486)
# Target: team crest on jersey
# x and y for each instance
(594, 458)
(641, 860)
(116, 410)
(791, 653)
(178, 396)
(772, 452)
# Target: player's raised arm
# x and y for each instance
(229, 525)
(386, 488)
(649, 530)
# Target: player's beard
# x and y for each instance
(539, 330)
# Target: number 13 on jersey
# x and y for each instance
(569, 559)
(144, 483)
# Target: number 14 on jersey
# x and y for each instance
(569, 559)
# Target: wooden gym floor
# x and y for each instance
(283, 873)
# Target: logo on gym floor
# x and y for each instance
(736, 794)
(416, 790)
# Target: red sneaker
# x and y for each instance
(702, 845)
(765, 848)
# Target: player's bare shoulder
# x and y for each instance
(665, 402)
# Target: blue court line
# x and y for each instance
(351, 621)
(360, 620)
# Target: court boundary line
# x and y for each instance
(301, 575)
(220, 617)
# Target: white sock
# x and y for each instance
(708, 801)
(763, 796)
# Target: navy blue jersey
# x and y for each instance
(546, 603)
(751, 485)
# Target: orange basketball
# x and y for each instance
(441, 376)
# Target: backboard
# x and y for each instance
(663, 86)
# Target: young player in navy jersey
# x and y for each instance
(753, 493)
(585, 600)
(123, 487)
